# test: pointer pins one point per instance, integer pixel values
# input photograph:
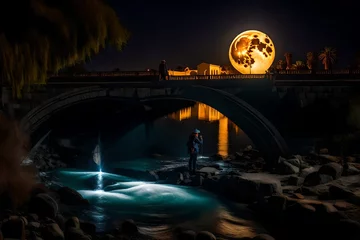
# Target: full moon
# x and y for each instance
(252, 52)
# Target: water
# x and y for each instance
(157, 208)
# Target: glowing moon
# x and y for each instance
(252, 52)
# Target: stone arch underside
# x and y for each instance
(263, 134)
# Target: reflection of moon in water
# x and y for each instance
(252, 52)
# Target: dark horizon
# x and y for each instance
(193, 32)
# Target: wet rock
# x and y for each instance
(72, 222)
(71, 197)
(331, 169)
(186, 235)
(129, 227)
(315, 178)
(209, 170)
(339, 192)
(204, 235)
(60, 220)
(263, 237)
(34, 225)
(295, 181)
(52, 231)
(43, 205)
(108, 237)
(286, 168)
(14, 229)
(246, 188)
(76, 234)
(348, 229)
(88, 228)
(351, 170)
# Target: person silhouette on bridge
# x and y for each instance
(163, 70)
(193, 144)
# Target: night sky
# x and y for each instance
(190, 32)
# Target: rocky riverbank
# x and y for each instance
(306, 197)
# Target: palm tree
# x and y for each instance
(328, 57)
(56, 34)
(299, 65)
(310, 60)
(288, 59)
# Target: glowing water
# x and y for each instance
(157, 208)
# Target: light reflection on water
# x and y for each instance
(114, 198)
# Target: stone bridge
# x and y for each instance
(234, 96)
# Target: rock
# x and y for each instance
(76, 234)
(129, 227)
(60, 220)
(196, 180)
(186, 235)
(324, 151)
(247, 188)
(209, 170)
(33, 225)
(286, 168)
(325, 158)
(298, 162)
(72, 222)
(13, 229)
(295, 181)
(308, 170)
(71, 197)
(33, 217)
(108, 237)
(39, 188)
(298, 196)
(351, 170)
(332, 169)
(52, 231)
(348, 228)
(341, 205)
(43, 205)
(204, 235)
(88, 228)
(315, 178)
(263, 237)
(339, 192)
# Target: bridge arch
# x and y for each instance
(263, 134)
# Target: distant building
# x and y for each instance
(208, 69)
(202, 69)
(185, 72)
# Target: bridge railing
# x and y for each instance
(218, 77)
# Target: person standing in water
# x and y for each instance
(193, 144)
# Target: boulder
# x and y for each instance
(72, 222)
(209, 170)
(14, 229)
(331, 169)
(339, 192)
(263, 237)
(204, 235)
(43, 205)
(129, 227)
(315, 178)
(286, 168)
(76, 234)
(186, 235)
(52, 232)
(71, 197)
(88, 228)
(295, 181)
(246, 188)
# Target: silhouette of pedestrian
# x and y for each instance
(163, 70)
